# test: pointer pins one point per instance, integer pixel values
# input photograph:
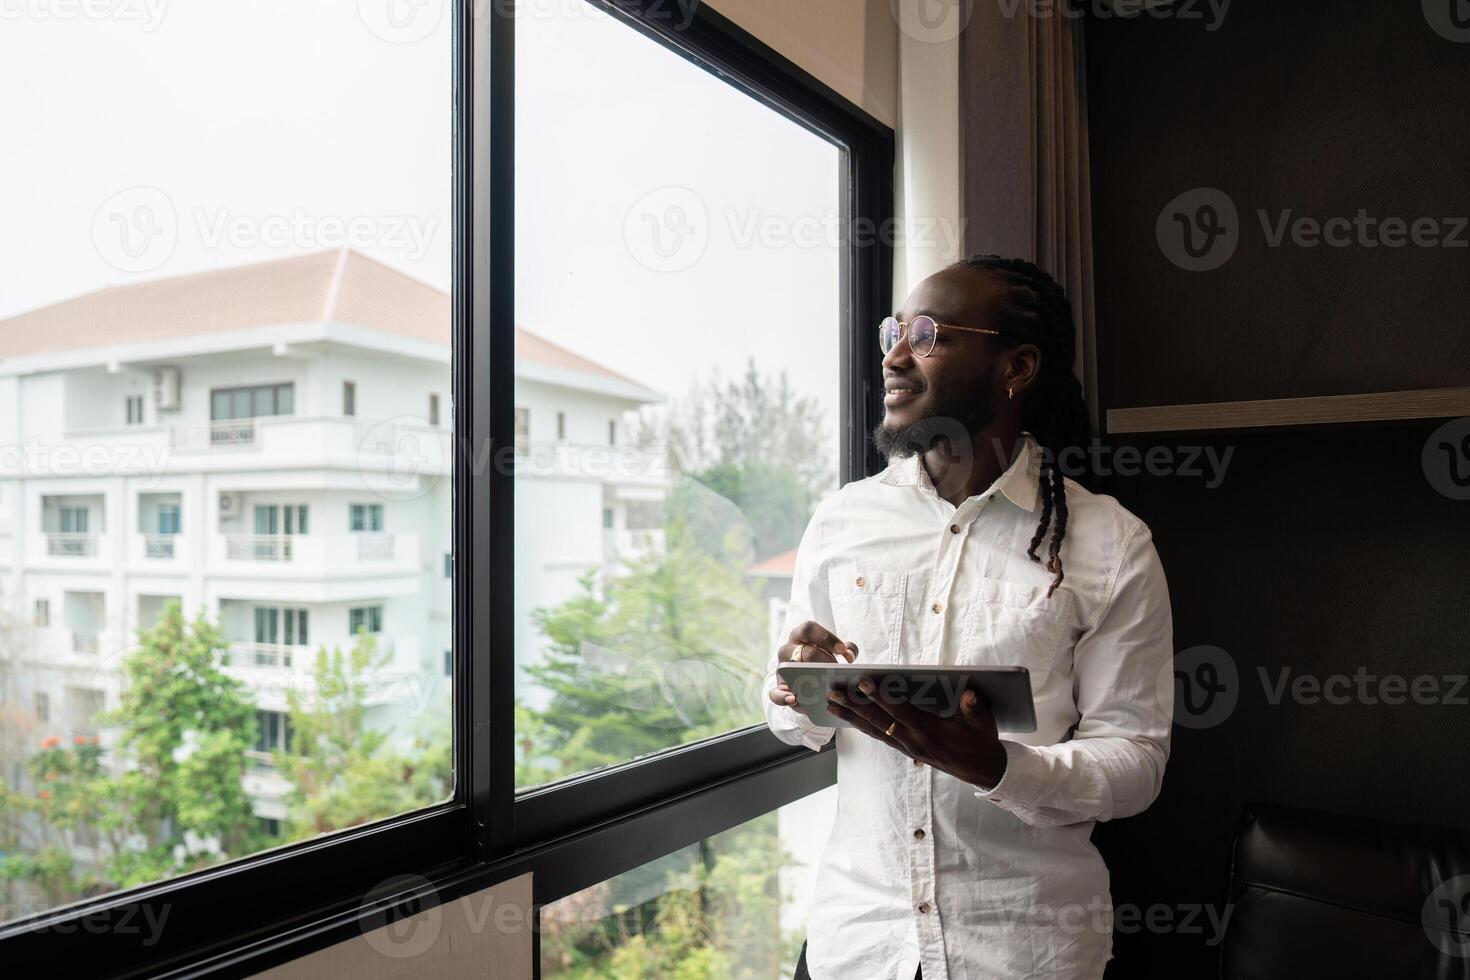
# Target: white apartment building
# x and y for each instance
(271, 445)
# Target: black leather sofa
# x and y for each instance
(1319, 895)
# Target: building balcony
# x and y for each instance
(159, 548)
(320, 554)
(269, 670)
(72, 544)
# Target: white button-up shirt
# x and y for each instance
(922, 868)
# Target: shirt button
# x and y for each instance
(924, 908)
(860, 581)
(919, 834)
(937, 606)
(917, 763)
(954, 529)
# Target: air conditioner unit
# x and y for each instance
(229, 504)
(166, 389)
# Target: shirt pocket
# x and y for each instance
(1009, 623)
(867, 608)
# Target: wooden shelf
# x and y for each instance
(1381, 406)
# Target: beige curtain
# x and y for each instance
(1025, 189)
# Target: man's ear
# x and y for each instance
(1023, 367)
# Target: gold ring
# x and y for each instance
(796, 654)
(889, 730)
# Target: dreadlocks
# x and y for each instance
(1034, 309)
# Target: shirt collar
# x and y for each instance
(1017, 483)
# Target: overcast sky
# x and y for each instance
(666, 223)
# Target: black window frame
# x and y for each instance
(579, 831)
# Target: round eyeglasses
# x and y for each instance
(922, 332)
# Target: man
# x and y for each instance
(957, 854)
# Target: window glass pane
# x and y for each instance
(733, 905)
(680, 304)
(256, 227)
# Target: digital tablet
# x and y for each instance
(1006, 689)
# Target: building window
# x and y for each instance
(523, 429)
(251, 402)
(561, 425)
(169, 518)
(280, 518)
(449, 564)
(612, 432)
(287, 627)
(272, 731)
(270, 827)
(43, 706)
(369, 618)
(365, 517)
(448, 663)
(43, 612)
(135, 410)
(349, 398)
(433, 409)
(73, 520)
(607, 518)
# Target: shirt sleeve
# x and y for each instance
(1113, 766)
(809, 600)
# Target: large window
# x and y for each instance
(679, 312)
(351, 645)
(210, 240)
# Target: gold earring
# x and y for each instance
(1010, 392)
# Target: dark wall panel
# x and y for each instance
(1326, 552)
(1317, 107)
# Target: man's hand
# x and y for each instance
(965, 744)
(818, 645)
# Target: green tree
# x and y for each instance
(343, 771)
(170, 801)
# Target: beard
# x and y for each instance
(954, 415)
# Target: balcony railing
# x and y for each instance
(83, 641)
(244, 654)
(372, 546)
(159, 545)
(71, 544)
(258, 547)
